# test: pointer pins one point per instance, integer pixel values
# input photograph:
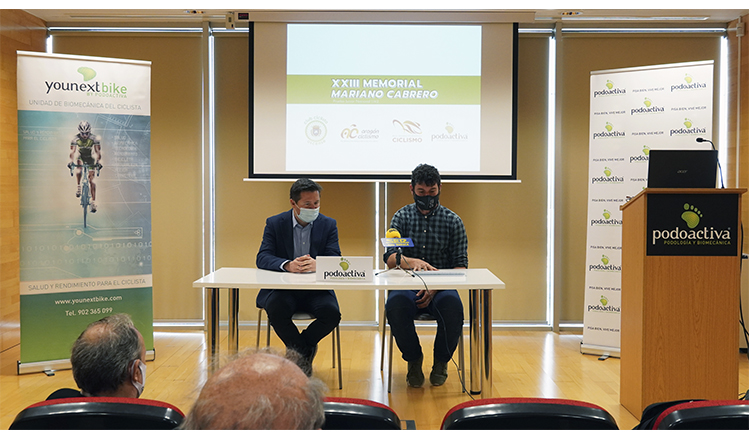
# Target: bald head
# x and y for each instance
(258, 391)
(103, 355)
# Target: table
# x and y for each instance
(479, 281)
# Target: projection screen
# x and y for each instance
(372, 101)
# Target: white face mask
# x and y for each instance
(308, 215)
(139, 386)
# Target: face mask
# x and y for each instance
(427, 202)
(139, 386)
(308, 215)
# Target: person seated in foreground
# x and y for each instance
(259, 391)
(108, 359)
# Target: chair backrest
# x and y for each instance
(99, 413)
(528, 414)
(705, 415)
(358, 414)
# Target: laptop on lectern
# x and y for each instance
(682, 168)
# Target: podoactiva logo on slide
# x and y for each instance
(406, 131)
(689, 129)
(449, 135)
(691, 217)
(315, 129)
(606, 220)
(605, 266)
(608, 132)
(647, 108)
(604, 305)
(346, 272)
(607, 177)
(641, 158)
(88, 87)
(689, 84)
(609, 89)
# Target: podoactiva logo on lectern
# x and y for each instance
(694, 225)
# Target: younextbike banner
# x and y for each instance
(84, 130)
(633, 111)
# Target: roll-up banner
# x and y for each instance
(84, 129)
(632, 111)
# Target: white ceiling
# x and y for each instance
(185, 17)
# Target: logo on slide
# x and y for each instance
(408, 127)
(316, 130)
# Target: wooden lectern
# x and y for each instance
(681, 260)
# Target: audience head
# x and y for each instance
(258, 391)
(109, 358)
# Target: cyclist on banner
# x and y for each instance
(85, 149)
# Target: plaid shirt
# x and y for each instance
(439, 237)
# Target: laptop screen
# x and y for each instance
(676, 168)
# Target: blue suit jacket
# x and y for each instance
(278, 244)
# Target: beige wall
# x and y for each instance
(18, 31)
(506, 222)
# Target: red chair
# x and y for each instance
(528, 414)
(358, 414)
(705, 415)
(99, 413)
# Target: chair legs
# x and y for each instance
(461, 355)
(336, 335)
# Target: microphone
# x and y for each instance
(700, 140)
(393, 239)
(720, 170)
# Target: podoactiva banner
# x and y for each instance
(632, 111)
(84, 130)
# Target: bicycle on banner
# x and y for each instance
(85, 193)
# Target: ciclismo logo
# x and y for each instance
(609, 90)
(608, 177)
(689, 84)
(87, 88)
(605, 266)
(407, 131)
(608, 132)
(353, 133)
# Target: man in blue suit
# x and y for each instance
(291, 242)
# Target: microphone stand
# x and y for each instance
(720, 171)
(398, 255)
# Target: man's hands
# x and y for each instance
(424, 297)
(416, 264)
(302, 264)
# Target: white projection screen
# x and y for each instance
(372, 101)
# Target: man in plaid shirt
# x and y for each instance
(440, 242)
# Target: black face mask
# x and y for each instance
(427, 202)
